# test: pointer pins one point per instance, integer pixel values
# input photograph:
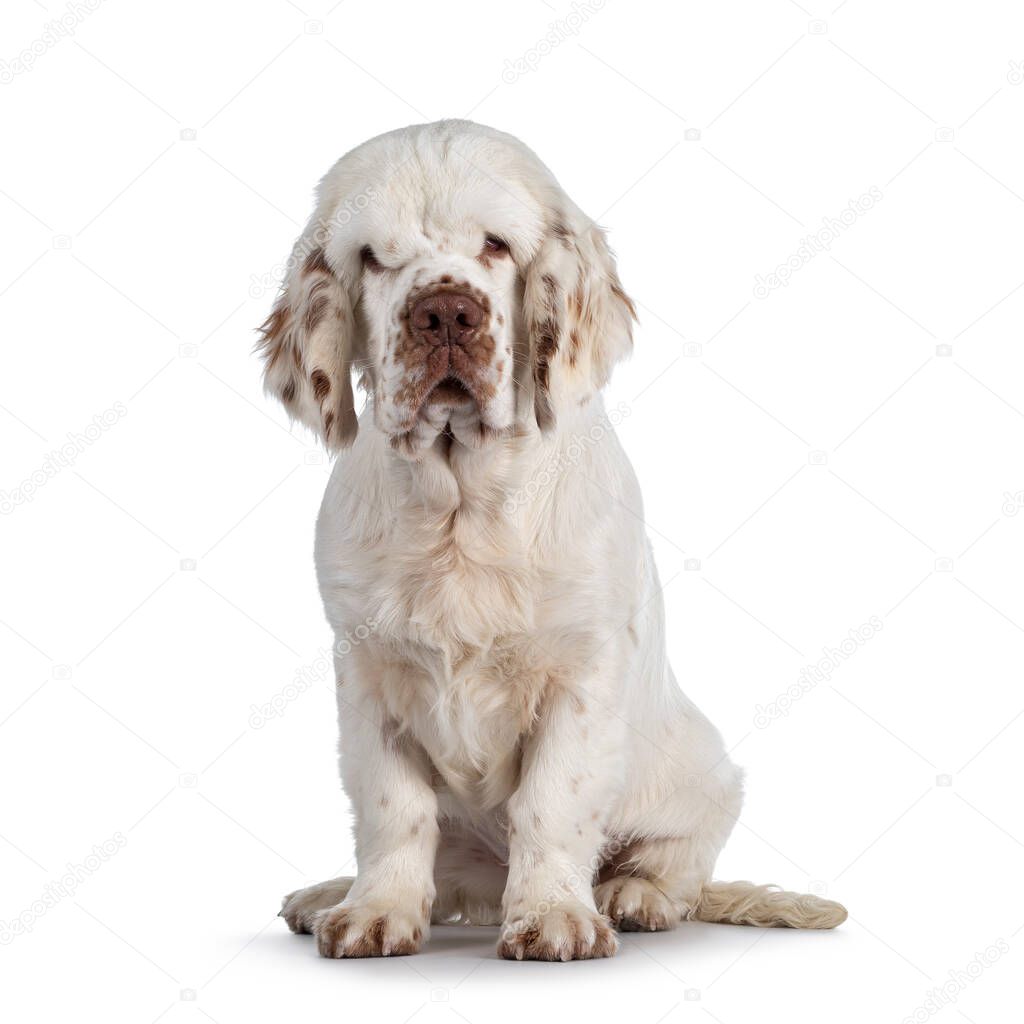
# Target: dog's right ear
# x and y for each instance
(307, 347)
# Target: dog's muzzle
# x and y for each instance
(446, 318)
(450, 328)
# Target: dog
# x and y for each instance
(513, 741)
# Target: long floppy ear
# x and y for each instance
(307, 347)
(579, 319)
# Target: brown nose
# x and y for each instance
(446, 318)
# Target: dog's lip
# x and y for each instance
(450, 390)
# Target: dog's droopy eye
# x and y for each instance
(494, 244)
(370, 261)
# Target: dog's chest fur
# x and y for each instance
(455, 605)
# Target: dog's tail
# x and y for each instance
(764, 906)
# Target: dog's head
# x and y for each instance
(447, 266)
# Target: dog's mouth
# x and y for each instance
(449, 391)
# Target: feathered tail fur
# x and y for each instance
(765, 906)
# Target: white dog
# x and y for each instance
(513, 741)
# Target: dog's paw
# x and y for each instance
(300, 907)
(568, 931)
(637, 905)
(367, 928)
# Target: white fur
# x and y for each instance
(513, 740)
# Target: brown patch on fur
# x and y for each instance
(316, 306)
(321, 385)
(391, 733)
(316, 262)
(562, 233)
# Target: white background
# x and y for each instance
(822, 452)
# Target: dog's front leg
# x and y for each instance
(570, 772)
(387, 778)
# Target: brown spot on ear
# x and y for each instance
(288, 392)
(547, 345)
(562, 233)
(321, 385)
(328, 423)
(316, 306)
(316, 262)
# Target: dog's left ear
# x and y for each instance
(308, 344)
(579, 319)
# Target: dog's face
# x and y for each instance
(439, 302)
(444, 262)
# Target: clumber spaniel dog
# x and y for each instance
(513, 741)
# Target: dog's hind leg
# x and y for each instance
(652, 883)
(663, 848)
(299, 908)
